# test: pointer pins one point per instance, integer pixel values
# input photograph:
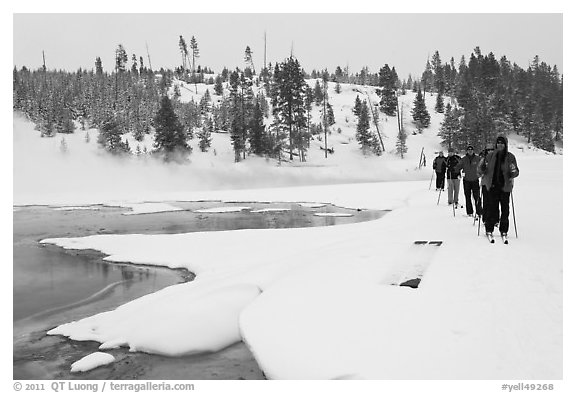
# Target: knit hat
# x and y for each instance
(470, 147)
(501, 139)
(450, 150)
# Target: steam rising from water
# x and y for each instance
(43, 173)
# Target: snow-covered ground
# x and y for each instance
(323, 303)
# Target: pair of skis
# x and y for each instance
(490, 237)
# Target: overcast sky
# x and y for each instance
(318, 41)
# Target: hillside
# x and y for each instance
(81, 172)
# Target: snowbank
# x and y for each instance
(91, 361)
(327, 309)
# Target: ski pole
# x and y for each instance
(483, 212)
(514, 214)
(453, 200)
(439, 193)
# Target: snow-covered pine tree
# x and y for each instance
(195, 55)
(438, 69)
(134, 69)
(427, 81)
(237, 115)
(205, 102)
(357, 106)
(288, 102)
(218, 88)
(542, 134)
(363, 129)
(318, 93)
(184, 54)
(248, 60)
(330, 119)
(420, 114)
(439, 107)
(257, 131)
(449, 127)
(401, 147)
(387, 80)
(375, 144)
(338, 88)
(170, 138)
(205, 135)
(110, 135)
(308, 102)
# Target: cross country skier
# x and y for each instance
(439, 166)
(453, 177)
(469, 165)
(498, 170)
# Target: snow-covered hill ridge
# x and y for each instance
(80, 171)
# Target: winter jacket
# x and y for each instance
(469, 164)
(452, 163)
(439, 164)
(508, 167)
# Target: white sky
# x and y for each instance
(319, 41)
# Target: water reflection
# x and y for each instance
(50, 278)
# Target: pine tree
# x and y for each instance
(449, 127)
(330, 119)
(248, 59)
(401, 147)
(387, 80)
(363, 129)
(439, 108)
(338, 88)
(218, 89)
(420, 113)
(427, 78)
(541, 134)
(257, 131)
(288, 101)
(170, 138)
(134, 69)
(98, 65)
(205, 102)
(237, 115)
(205, 135)
(195, 55)
(357, 106)
(184, 53)
(318, 93)
(110, 136)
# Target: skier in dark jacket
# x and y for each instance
(469, 165)
(498, 170)
(439, 166)
(453, 177)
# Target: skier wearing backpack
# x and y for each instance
(453, 177)
(439, 166)
(498, 170)
(469, 165)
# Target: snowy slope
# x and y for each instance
(86, 174)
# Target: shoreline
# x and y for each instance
(37, 355)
